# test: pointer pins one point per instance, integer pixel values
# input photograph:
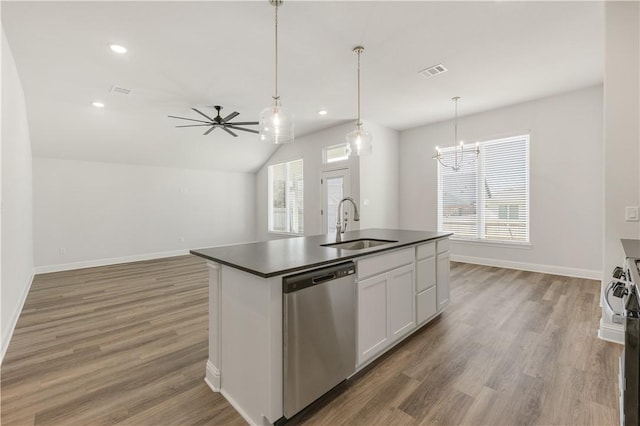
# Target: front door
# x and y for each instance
(335, 186)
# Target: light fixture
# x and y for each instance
(322, 112)
(276, 122)
(117, 48)
(458, 155)
(358, 140)
(98, 104)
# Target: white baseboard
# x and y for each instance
(6, 337)
(611, 332)
(109, 261)
(532, 267)
(212, 377)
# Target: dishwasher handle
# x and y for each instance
(318, 276)
(323, 278)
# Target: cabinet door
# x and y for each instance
(425, 274)
(442, 280)
(426, 305)
(372, 317)
(401, 290)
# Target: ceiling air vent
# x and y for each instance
(120, 90)
(434, 70)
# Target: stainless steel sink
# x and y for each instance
(361, 244)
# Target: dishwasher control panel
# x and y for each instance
(317, 276)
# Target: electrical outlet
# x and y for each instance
(631, 214)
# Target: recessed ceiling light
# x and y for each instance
(117, 48)
(98, 104)
(322, 112)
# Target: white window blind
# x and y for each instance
(488, 198)
(286, 197)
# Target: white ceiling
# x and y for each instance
(199, 54)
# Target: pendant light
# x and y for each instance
(359, 140)
(276, 122)
(458, 148)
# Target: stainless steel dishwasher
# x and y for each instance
(319, 333)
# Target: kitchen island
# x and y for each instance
(401, 284)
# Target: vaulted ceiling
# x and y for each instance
(199, 54)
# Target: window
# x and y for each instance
(488, 198)
(286, 197)
(335, 153)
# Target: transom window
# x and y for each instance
(335, 153)
(286, 197)
(488, 198)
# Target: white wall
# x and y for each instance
(373, 177)
(90, 213)
(379, 179)
(309, 148)
(621, 150)
(17, 205)
(565, 181)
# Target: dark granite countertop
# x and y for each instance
(277, 257)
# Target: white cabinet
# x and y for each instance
(373, 333)
(386, 310)
(401, 291)
(426, 305)
(398, 291)
(442, 274)
(425, 282)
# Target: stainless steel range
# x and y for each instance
(630, 359)
(625, 284)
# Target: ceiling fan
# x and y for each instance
(218, 121)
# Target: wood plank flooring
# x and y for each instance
(127, 344)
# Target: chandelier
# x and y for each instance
(456, 160)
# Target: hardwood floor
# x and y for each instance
(127, 344)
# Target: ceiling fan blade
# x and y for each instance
(242, 128)
(209, 131)
(194, 125)
(230, 116)
(230, 132)
(202, 114)
(190, 119)
(244, 123)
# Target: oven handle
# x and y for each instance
(616, 318)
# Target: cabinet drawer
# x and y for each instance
(425, 250)
(426, 274)
(443, 245)
(426, 302)
(385, 262)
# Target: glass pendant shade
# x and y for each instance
(359, 141)
(276, 125)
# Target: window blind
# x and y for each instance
(488, 198)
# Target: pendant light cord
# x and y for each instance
(276, 97)
(359, 122)
(358, 50)
(455, 124)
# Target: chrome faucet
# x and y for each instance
(339, 226)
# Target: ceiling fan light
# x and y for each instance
(276, 125)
